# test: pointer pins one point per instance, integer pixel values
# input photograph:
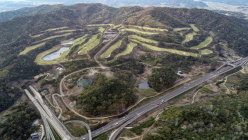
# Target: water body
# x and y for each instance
(144, 85)
(68, 43)
(56, 54)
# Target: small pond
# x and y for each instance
(144, 84)
(68, 43)
(56, 54)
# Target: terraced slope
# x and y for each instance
(111, 49)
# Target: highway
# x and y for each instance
(135, 114)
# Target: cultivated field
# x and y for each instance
(206, 51)
(203, 44)
(111, 49)
(189, 37)
(154, 48)
(128, 50)
(139, 32)
(180, 29)
(31, 48)
(194, 28)
(93, 42)
(149, 28)
(141, 39)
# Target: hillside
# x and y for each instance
(4, 16)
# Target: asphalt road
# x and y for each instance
(135, 114)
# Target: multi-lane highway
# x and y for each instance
(135, 114)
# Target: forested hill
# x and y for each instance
(4, 16)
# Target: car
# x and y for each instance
(83, 138)
(158, 103)
(116, 123)
(162, 101)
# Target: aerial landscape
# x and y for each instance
(124, 70)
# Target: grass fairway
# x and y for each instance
(149, 28)
(194, 28)
(31, 48)
(111, 49)
(143, 39)
(154, 48)
(39, 60)
(189, 37)
(101, 25)
(93, 42)
(101, 29)
(139, 32)
(63, 31)
(206, 51)
(52, 29)
(180, 29)
(128, 50)
(36, 35)
(203, 44)
(51, 37)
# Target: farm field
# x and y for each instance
(180, 29)
(139, 32)
(39, 60)
(189, 37)
(194, 28)
(149, 28)
(206, 51)
(93, 42)
(111, 49)
(154, 48)
(203, 44)
(128, 50)
(143, 39)
(31, 48)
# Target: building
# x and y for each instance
(35, 136)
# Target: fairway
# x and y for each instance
(52, 29)
(39, 60)
(36, 35)
(101, 25)
(143, 39)
(203, 44)
(51, 37)
(189, 37)
(111, 49)
(180, 29)
(31, 48)
(154, 48)
(128, 50)
(206, 51)
(93, 42)
(194, 28)
(139, 32)
(63, 31)
(149, 28)
(101, 29)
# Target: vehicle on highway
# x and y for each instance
(116, 123)
(158, 103)
(162, 101)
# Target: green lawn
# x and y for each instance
(194, 28)
(101, 29)
(111, 49)
(93, 42)
(203, 44)
(149, 28)
(101, 25)
(180, 29)
(139, 32)
(206, 51)
(154, 48)
(31, 48)
(189, 37)
(128, 50)
(143, 39)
